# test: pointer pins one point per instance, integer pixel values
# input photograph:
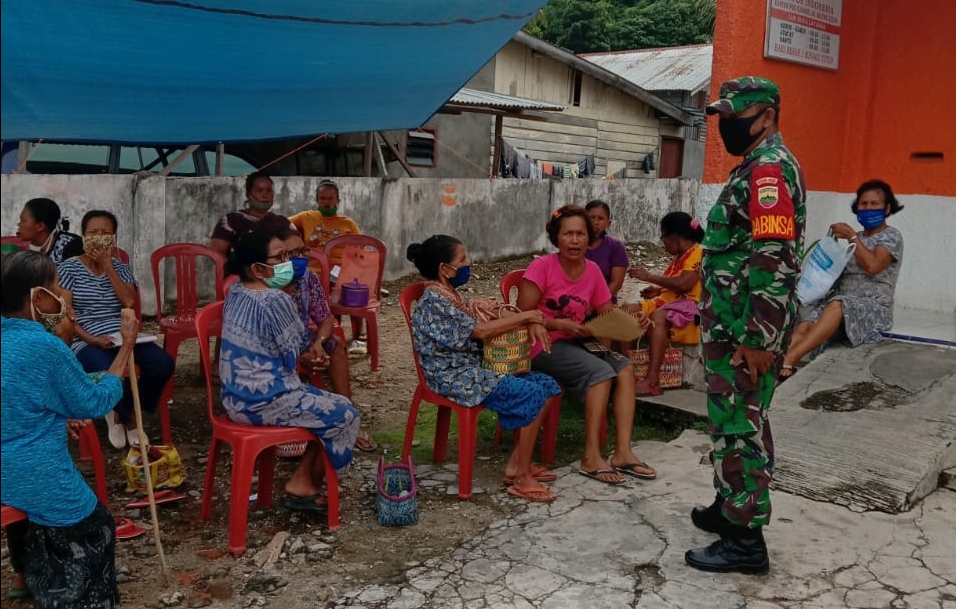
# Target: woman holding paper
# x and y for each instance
(102, 286)
(861, 302)
(566, 287)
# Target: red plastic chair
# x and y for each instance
(354, 252)
(510, 281)
(181, 326)
(467, 417)
(248, 443)
(14, 240)
(9, 515)
(319, 257)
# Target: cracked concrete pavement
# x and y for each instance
(607, 547)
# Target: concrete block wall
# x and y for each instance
(494, 218)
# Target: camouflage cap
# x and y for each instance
(740, 93)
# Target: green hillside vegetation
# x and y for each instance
(587, 26)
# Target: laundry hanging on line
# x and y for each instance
(515, 164)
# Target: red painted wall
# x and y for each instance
(894, 94)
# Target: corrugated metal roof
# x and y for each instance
(668, 69)
(473, 97)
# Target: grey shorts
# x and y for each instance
(576, 368)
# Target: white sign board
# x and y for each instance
(804, 31)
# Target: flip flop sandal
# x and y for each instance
(163, 496)
(19, 593)
(541, 474)
(631, 469)
(594, 473)
(365, 443)
(786, 371)
(535, 494)
(305, 504)
(127, 529)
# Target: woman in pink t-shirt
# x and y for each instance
(565, 287)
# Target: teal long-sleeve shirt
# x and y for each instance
(43, 385)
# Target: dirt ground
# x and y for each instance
(203, 574)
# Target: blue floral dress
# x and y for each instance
(262, 337)
(451, 364)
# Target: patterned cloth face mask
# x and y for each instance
(98, 242)
(49, 320)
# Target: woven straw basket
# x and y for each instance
(291, 450)
(508, 353)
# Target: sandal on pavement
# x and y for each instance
(306, 504)
(364, 442)
(595, 473)
(541, 474)
(639, 470)
(786, 371)
(127, 529)
(534, 494)
(645, 388)
(116, 430)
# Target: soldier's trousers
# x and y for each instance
(740, 431)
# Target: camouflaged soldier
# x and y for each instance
(750, 268)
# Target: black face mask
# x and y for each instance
(735, 132)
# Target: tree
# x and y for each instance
(584, 26)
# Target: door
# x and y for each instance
(672, 158)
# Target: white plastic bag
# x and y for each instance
(822, 267)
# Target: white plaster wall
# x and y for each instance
(495, 218)
(928, 276)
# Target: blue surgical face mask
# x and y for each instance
(461, 277)
(281, 275)
(299, 266)
(871, 218)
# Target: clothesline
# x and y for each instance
(515, 164)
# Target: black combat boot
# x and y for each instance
(739, 549)
(709, 518)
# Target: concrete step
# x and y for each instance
(682, 407)
(871, 427)
(948, 479)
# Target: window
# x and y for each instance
(231, 164)
(49, 158)
(577, 78)
(155, 159)
(420, 148)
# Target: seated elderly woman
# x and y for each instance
(46, 230)
(447, 329)
(64, 556)
(861, 302)
(263, 339)
(102, 286)
(565, 287)
(671, 302)
(313, 307)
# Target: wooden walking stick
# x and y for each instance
(144, 451)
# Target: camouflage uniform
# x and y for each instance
(752, 248)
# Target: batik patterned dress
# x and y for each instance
(262, 338)
(867, 299)
(451, 364)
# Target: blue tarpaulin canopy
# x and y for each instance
(161, 71)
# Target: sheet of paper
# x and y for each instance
(142, 338)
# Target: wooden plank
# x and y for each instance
(557, 138)
(649, 140)
(176, 162)
(398, 155)
(638, 129)
(566, 119)
(367, 155)
(496, 146)
(626, 146)
(551, 128)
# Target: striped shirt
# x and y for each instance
(96, 305)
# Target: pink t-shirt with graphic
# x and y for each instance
(564, 298)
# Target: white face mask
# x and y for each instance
(49, 320)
